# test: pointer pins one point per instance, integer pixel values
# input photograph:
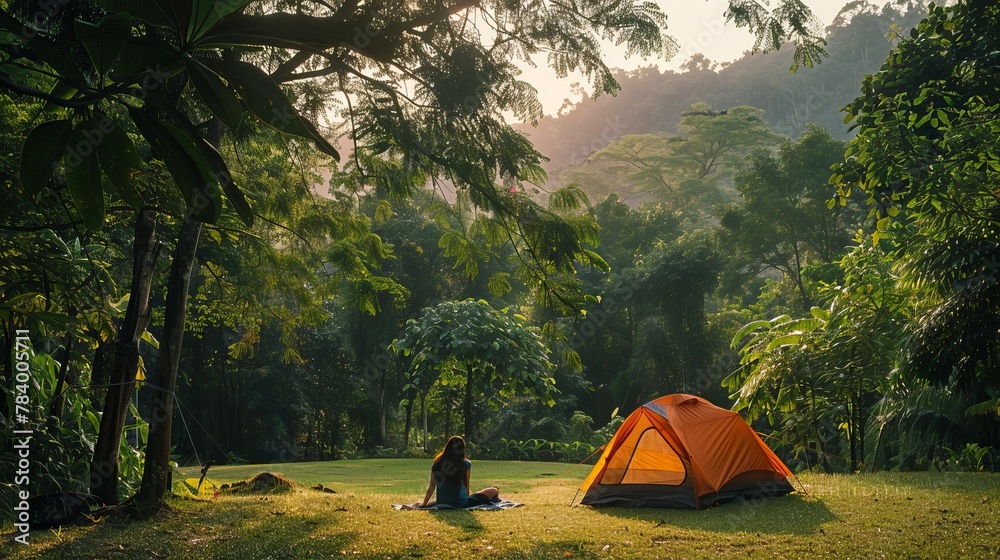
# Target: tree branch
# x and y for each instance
(32, 92)
(433, 17)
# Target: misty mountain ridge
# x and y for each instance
(653, 102)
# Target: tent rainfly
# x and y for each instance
(682, 451)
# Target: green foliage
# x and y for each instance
(653, 101)
(62, 445)
(117, 80)
(297, 293)
(783, 222)
(971, 458)
(684, 171)
(670, 287)
(789, 20)
(926, 156)
(768, 348)
(307, 249)
(539, 450)
(810, 375)
(43, 144)
(580, 442)
(472, 335)
(917, 309)
(925, 132)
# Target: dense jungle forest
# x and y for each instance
(368, 276)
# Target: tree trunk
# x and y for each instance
(806, 304)
(820, 444)
(852, 408)
(219, 399)
(59, 398)
(423, 412)
(100, 371)
(447, 414)
(409, 415)
(156, 471)
(381, 410)
(201, 402)
(878, 442)
(862, 424)
(104, 465)
(468, 403)
(852, 433)
(821, 451)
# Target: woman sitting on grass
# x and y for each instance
(450, 477)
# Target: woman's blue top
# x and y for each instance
(450, 481)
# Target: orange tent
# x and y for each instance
(683, 451)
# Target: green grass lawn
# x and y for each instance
(885, 515)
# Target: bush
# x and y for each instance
(973, 458)
(384, 453)
(415, 453)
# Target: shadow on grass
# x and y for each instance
(235, 533)
(459, 519)
(793, 514)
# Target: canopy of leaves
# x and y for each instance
(684, 170)
(928, 153)
(471, 334)
(783, 222)
(927, 127)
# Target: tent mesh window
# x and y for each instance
(650, 460)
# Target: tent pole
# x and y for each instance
(804, 491)
(574, 497)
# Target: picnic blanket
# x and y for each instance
(501, 505)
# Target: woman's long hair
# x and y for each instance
(450, 462)
(454, 449)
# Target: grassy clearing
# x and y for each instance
(890, 515)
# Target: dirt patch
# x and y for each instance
(263, 483)
(321, 488)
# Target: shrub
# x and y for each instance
(973, 458)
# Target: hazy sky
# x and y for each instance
(697, 25)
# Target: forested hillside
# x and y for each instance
(651, 101)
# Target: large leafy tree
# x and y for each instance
(606, 336)
(685, 171)
(779, 379)
(671, 284)
(493, 350)
(783, 222)
(276, 281)
(869, 317)
(927, 154)
(813, 376)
